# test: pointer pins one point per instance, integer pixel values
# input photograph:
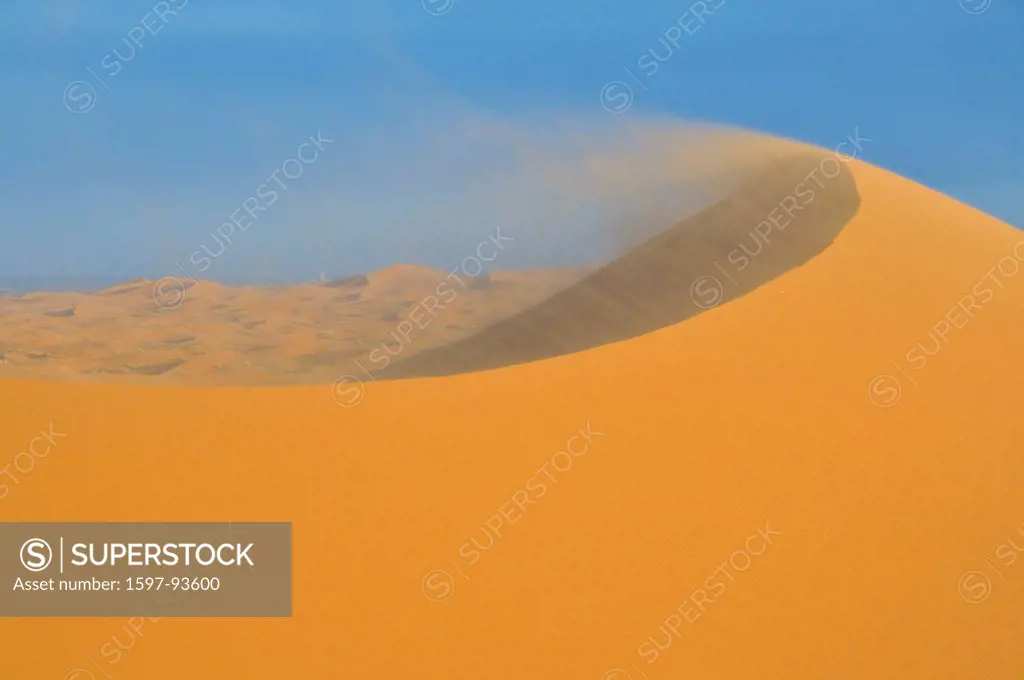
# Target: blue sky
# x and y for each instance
(200, 114)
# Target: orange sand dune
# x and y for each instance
(776, 488)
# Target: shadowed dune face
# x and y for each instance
(783, 213)
(752, 207)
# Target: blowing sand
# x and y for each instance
(784, 211)
(748, 504)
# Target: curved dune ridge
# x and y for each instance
(819, 478)
(771, 205)
(784, 211)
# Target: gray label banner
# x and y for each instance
(152, 569)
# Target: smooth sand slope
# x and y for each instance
(754, 414)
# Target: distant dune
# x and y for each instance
(205, 333)
(738, 451)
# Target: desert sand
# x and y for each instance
(176, 331)
(784, 452)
